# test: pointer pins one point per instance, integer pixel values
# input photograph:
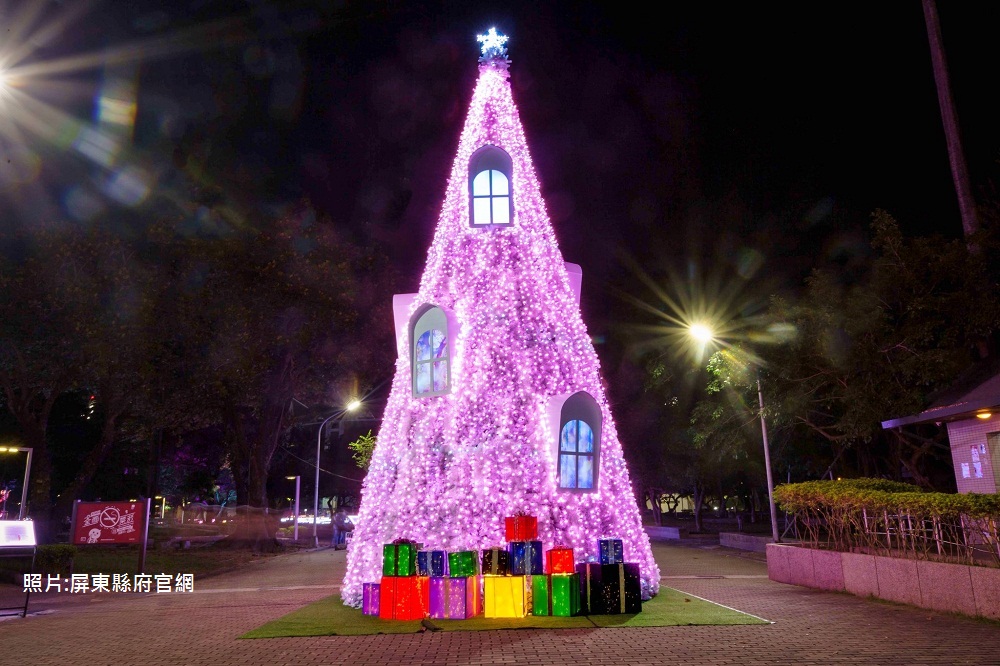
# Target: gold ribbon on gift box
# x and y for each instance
(621, 586)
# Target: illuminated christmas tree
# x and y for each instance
(497, 406)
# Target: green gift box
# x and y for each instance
(556, 594)
(541, 601)
(565, 590)
(462, 564)
(399, 559)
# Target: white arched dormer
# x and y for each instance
(491, 199)
(576, 423)
(430, 352)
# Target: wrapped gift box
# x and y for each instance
(556, 594)
(455, 598)
(611, 551)
(404, 597)
(432, 563)
(541, 600)
(559, 560)
(564, 594)
(506, 596)
(609, 589)
(526, 558)
(370, 598)
(462, 564)
(399, 559)
(521, 528)
(496, 562)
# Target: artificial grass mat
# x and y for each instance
(330, 617)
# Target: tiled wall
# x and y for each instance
(964, 435)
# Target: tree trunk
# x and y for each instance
(654, 501)
(698, 496)
(257, 530)
(238, 448)
(109, 434)
(32, 411)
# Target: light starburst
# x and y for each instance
(91, 163)
(493, 44)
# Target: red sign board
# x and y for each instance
(109, 522)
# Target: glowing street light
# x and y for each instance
(701, 333)
(704, 335)
(353, 405)
(298, 480)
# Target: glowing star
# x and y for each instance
(493, 44)
(497, 405)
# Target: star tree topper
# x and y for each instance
(494, 51)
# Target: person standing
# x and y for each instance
(341, 526)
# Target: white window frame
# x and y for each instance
(429, 318)
(490, 158)
(580, 406)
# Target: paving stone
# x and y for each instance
(810, 626)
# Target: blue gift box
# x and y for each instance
(526, 558)
(611, 551)
(432, 563)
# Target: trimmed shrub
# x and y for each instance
(891, 518)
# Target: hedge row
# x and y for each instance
(894, 518)
(880, 495)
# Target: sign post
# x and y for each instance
(112, 522)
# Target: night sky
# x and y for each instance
(747, 141)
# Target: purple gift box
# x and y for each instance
(455, 598)
(369, 601)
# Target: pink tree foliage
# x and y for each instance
(447, 469)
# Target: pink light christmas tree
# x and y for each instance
(484, 417)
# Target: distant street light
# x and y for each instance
(23, 512)
(704, 335)
(351, 406)
(298, 479)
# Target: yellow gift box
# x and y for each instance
(506, 596)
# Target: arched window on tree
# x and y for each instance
(430, 359)
(491, 201)
(579, 443)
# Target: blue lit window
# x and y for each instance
(579, 445)
(430, 358)
(576, 456)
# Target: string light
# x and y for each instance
(447, 469)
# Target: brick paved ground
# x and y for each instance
(809, 627)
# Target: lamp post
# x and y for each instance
(23, 511)
(163, 506)
(704, 335)
(767, 462)
(298, 480)
(351, 406)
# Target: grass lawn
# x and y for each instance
(330, 617)
(200, 561)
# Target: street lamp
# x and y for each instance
(298, 479)
(23, 512)
(704, 335)
(351, 406)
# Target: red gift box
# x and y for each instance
(521, 528)
(404, 598)
(559, 560)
